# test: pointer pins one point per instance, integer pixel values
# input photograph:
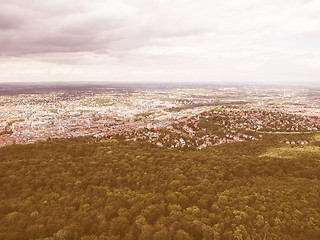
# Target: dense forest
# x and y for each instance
(85, 189)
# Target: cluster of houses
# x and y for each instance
(226, 125)
(264, 120)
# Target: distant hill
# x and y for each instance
(43, 87)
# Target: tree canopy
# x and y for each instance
(79, 188)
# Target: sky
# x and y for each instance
(217, 41)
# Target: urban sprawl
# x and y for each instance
(178, 118)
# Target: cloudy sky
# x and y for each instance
(160, 40)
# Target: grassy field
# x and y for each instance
(316, 137)
(290, 152)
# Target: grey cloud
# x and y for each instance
(46, 31)
(7, 22)
(76, 26)
(11, 17)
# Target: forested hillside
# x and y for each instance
(81, 189)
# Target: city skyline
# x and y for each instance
(160, 41)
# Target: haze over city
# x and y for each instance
(160, 41)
